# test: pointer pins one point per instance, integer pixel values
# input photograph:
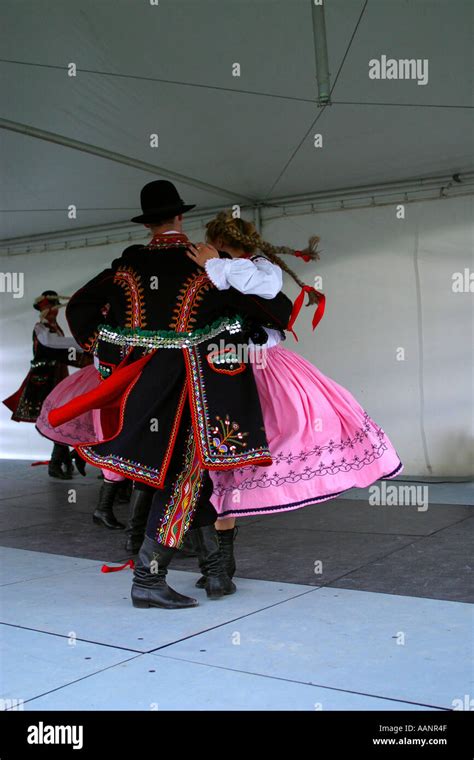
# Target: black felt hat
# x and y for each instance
(160, 200)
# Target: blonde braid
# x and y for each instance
(236, 230)
(249, 239)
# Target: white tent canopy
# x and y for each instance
(211, 125)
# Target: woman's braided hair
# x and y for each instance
(237, 232)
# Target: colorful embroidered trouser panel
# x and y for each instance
(185, 498)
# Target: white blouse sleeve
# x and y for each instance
(256, 277)
(53, 340)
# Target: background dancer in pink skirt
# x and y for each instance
(53, 353)
(84, 429)
(321, 440)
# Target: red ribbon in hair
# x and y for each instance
(305, 256)
(318, 314)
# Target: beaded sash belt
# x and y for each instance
(152, 339)
(37, 364)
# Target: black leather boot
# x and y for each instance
(55, 469)
(80, 464)
(124, 493)
(187, 548)
(140, 504)
(149, 588)
(211, 562)
(226, 542)
(104, 513)
(67, 462)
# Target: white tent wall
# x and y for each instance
(371, 263)
(388, 284)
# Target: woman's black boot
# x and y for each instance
(124, 493)
(187, 548)
(80, 464)
(226, 542)
(149, 588)
(55, 469)
(140, 504)
(104, 513)
(211, 562)
(67, 462)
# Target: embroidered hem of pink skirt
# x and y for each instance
(251, 511)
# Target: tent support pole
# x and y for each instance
(119, 158)
(257, 217)
(321, 52)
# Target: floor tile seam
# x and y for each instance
(309, 590)
(53, 521)
(82, 678)
(371, 533)
(50, 575)
(371, 561)
(415, 536)
(388, 554)
(44, 491)
(301, 683)
(77, 638)
(235, 619)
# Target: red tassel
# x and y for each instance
(37, 464)
(318, 314)
(108, 569)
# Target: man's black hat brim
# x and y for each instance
(164, 212)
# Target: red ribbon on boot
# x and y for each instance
(108, 569)
(318, 314)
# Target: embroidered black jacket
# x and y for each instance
(154, 299)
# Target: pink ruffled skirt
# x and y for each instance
(321, 440)
(81, 429)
